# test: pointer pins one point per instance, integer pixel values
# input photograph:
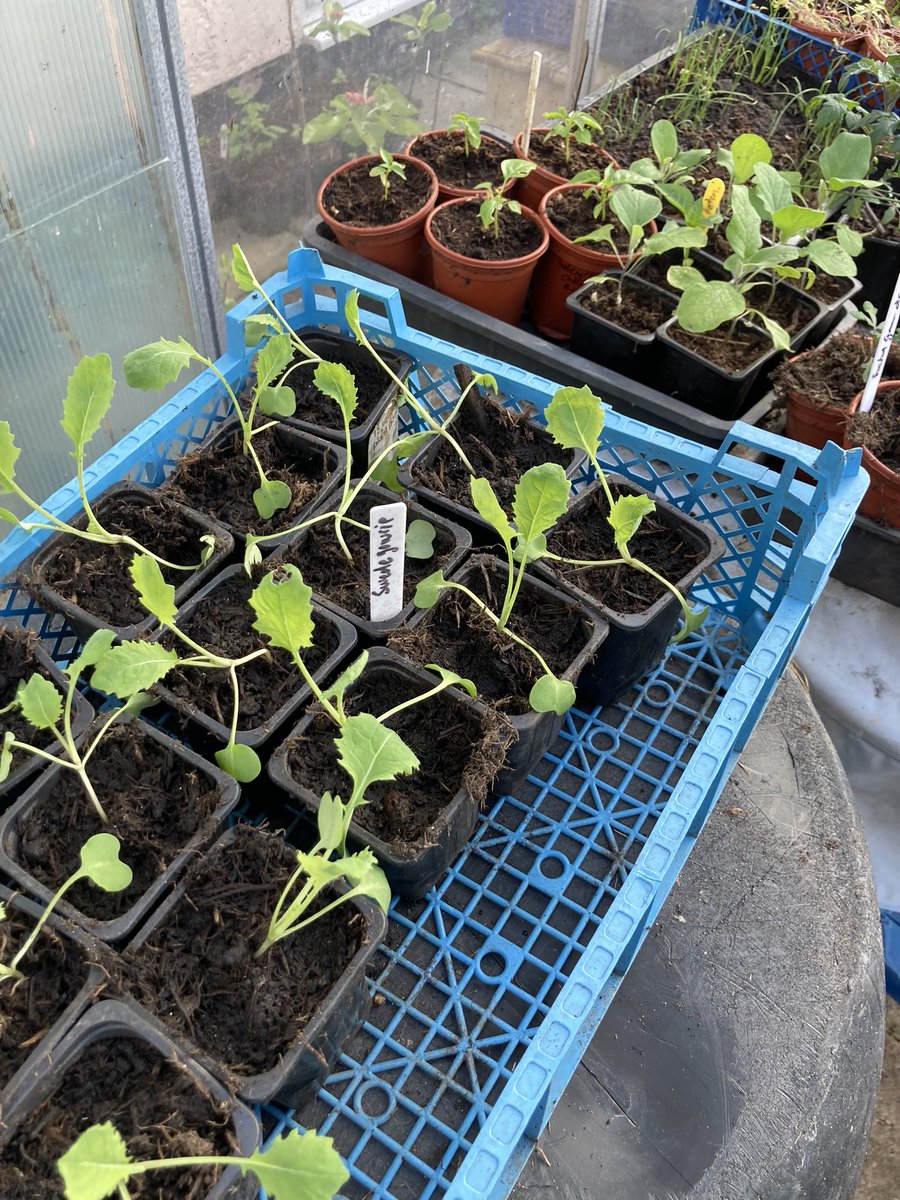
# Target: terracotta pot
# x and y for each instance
(566, 266)
(534, 187)
(882, 500)
(398, 246)
(496, 288)
(447, 191)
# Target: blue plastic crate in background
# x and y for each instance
(488, 990)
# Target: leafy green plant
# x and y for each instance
(669, 164)
(428, 21)
(575, 126)
(496, 200)
(335, 23)
(364, 119)
(250, 135)
(386, 170)
(294, 1166)
(87, 401)
(471, 131)
(540, 499)
(100, 863)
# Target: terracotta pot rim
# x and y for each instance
(453, 190)
(396, 226)
(504, 263)
(884, 386)
(558, 236)
(455, 133)
(517, 148)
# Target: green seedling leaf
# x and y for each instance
(277, 401)
(781, 339)
(132, 667)
(101, 864)
(157, 596)
(240, 762)
(849, 240)
(88, 397)
(831, 258)
(299, 1166)
(97, 645)
(273, 358)
(208, 547)
(575, 419)
(846, 160)
(252, 553)
(369, 751)
(681, 277)
(550, 694)
(283, 606)
(743, 231)
(240, 269)
(270, 497)
(451, 677)
(335, 381)
(748, 150)
(257, 327)
(705, 306)
(429, 590)
(692, 620)
(794, 219)
(771, 191)
(9, 452)
(625, 517)
(634, 207)
(6, 515)
(362, 871)
(540, 499)
(488, 507)
(664, 140)
(330, 822)
(39, 702)
(420, 537)
(351, 313)
(675, 237)
(347, 678)
(153, 366)
(95, 1164)
(6, 755)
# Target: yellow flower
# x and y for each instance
(712, 197)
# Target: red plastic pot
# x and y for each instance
(566, 266)
(882, 500)
(496, 288)
(534, 187)
(448, 191)
(398, 246)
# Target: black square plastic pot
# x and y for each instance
(636, 641)
(115, 1019)
(534, 731)
(314, 1051)
(85, 623)
(833, 312)
(418, 867)
(380, 427)
(82, 715)
(117, 930)
(612, 345)
(700, 382)
(212, 734)
(315, 456)
(878, 267)
(451, 544)
(94, 981)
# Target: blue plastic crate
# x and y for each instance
(488, 990)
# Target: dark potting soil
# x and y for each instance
(155, 802)
(223, 623)
(879, 430)
(503, 456)
(157, 1108)
(586, 534)
(573, 215)
(197, 973)
(785, 306)
(635, 308)
(17, 664)
(96, 577)
(655, 268)
(733, 350)
(55, 970)
(459, 228)
(830, 288)
(313, 406)
(221, 479)
(551, 155)
(832, 374)
(445, 153)
(355, 198)
(455, 749)
(343, 582)
(459, 636)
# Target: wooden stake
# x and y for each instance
(530, 100)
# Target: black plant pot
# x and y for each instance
(451, 544)
(833, 312)
(636, 641)
(82, 715)
(40, 793)
(612, 345)
(412, 867)
(534, 731)
(213, 734)
(85, 623)
(700, 382)
(316, 1048)
(116, 1019)
(878, 267)
(372, 435)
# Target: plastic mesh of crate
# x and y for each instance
(487, 991)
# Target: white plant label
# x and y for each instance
(387, 551)
(883, 349)
(386, 430)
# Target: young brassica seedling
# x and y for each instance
(496, 199)
(670, 165)
(385, 170)
(471, 131)
(539, 501)
(294, 1166)
(100, 863)
(39, 702)
(575, 418)
(87, 401)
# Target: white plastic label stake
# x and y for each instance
(882, 350)
(387, 551)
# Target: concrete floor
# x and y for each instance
(880, 1179)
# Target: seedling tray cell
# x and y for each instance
(487, 991)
